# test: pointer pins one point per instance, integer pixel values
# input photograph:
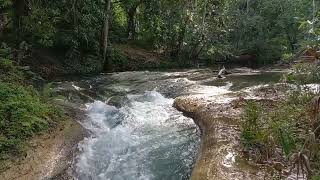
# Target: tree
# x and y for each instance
(20, 8)
(5, 6)
(106, 33)
(131, 7)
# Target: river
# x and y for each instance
(135, 133)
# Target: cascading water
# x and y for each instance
(135, 132)
(144, 139)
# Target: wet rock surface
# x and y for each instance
(220, 156)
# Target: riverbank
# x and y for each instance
(221, 156)
(51, 153)
(123, 57)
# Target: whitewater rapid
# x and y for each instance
(135, 133)
(146, 138)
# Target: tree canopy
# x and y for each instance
(214, 30)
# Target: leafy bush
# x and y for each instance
(118, 59)
(24, 111)
(22, 114)
(304, 74)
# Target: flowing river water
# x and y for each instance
(135, 133)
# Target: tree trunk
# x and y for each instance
(105, 61)
(3, 22)
(313, 14)
(180, 40)
(20, 8)
(131, 22)
(196, 52)
(292, 41)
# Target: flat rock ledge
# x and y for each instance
(220, 152)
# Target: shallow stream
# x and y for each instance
(135, 133)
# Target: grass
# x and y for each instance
(282, 131)
(288, 131)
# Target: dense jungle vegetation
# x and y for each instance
(59, 37)
(81, 36)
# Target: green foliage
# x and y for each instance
(24, 111)
(79, 62)
(286, 56)
(6, 64)
(5, 3)
(5, 51)
(316, 178)
(22, 114)
(217, 30)
(251, 132)
(286, 138)
(268, 28)
(303, 74)
(9, 72)
(47, 92)
(118, 59)
(289, 125)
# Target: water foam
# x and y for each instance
(145, 139)
(203, 91)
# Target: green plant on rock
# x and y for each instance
(289, 126)
(22, 115)
(251, 132)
